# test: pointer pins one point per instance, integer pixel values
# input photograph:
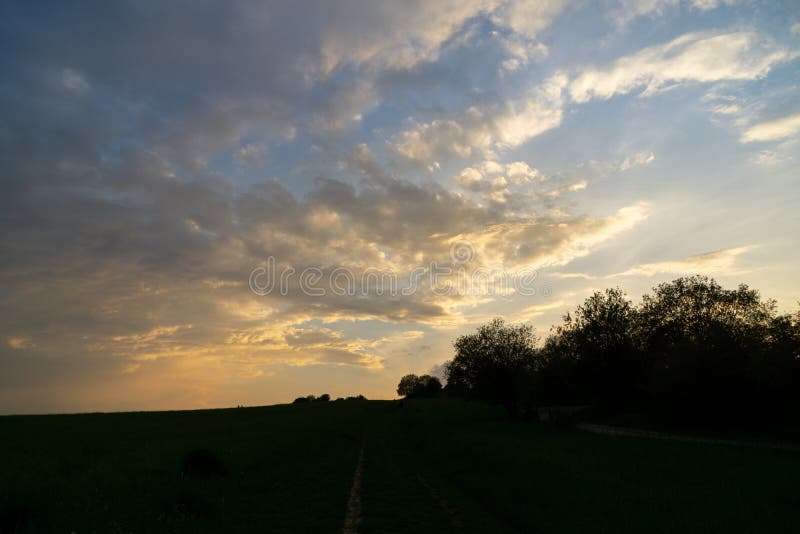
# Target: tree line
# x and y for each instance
(691, 350)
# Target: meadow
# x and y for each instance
(434, 465)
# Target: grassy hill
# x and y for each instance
(428, 466)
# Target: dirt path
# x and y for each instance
(637, 433)
(353, 514)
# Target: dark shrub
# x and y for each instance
(202, 463)
(14, 517)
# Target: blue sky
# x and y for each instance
(154, 155)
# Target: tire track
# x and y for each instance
(637, 433)
(447, 508)
(353, 514)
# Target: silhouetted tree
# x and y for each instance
(699, 352)
(496, 363)
(311, 398)
(704, 343)
(778, 368)
(592, 356)
(411, 386)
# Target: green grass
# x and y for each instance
(429, 466)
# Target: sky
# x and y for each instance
(207, 204)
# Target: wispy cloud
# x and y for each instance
(693, 57)
(773, 130)
(719, 263)
(637, 160)
(628, 10)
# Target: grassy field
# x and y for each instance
(429, 466)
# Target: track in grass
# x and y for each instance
(353, 514)
(447, 508)
(639, 433)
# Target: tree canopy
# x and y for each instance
(691, 348)
(495, 363)
(419, 386)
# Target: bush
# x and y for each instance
(202, 463)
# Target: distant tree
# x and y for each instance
(311, 398)
(496, 364)
(411, 386)
(407, 385)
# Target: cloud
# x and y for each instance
(569, 188)
(519, 172)
(629, 10)
(726, 109)
(772, 130)
(74, 81)
(769, 157)
(520, 51)
(394, 36)
(693, 57)
(252, 155)
(480, 129)
(537, 310)
(545, 243)
(636, 160)
(20, 343)
(719, 262)
(400, 36)
(528, 18)
(264, 71)
(472, 179)
(330, 346)
(707, 5)
(512, 184)
(778, 154)
(156, 267)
